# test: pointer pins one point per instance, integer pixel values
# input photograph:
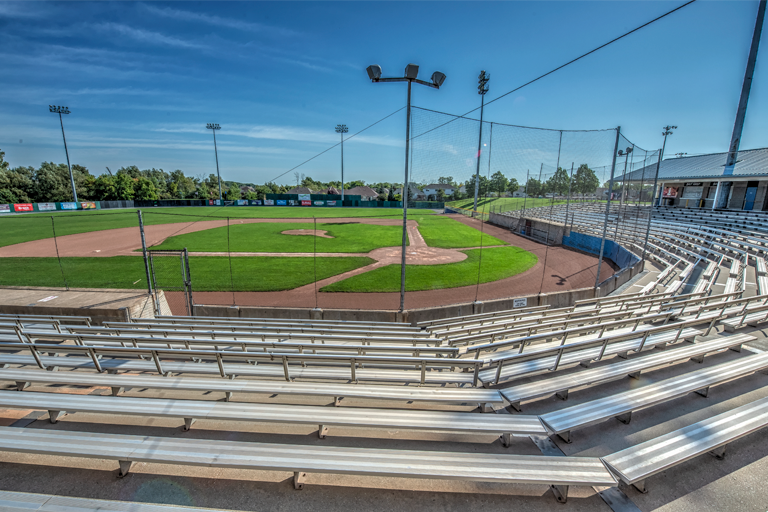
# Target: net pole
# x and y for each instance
(56, 245)
(607, 207)
(482, 224)
(551, 208)
(314, 262)
(568, 199)
(231, 277)
(653, 198)
(144, 252)
(405, 199)
(525, 194)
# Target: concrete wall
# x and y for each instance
(540, 229)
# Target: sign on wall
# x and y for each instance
(255, 202)
(45, 207)
(304, 197)
(319, 203)
(306, 203)
(269, 202)
(5, 208)
(88, 206)
(242, 202)
(331, 203)
(292, 202)
(68, 206)
(23, 207)
(520, 303)
(669, 192)
(282, 202)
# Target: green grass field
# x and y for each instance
(497, 263)
(268, 237)
(15, 229)
(450, 234)
(209, 273)
(503, 204)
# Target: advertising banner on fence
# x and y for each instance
(5, 208)
(304, 197)
(242, 202)
(46, 207)
(88, 206)
(331, 203)
(255, 202)
(306, 203)
(282, 202)
(23, 207)
(68, 206)
(269, 202)
(319, 203)
(292, 202)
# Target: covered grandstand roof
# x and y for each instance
(750, 162)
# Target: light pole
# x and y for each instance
(625, 154)
(214, 127)
(65, 110)
(482, 88)
(342, 129)
(411, 74)
(667, 131)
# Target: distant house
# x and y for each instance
(300, 190)
(365, 193)
(414, 194)
(520, 192)
(333, 191)
(431, 190)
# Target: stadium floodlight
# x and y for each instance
(65, 110)
(342, 129)
(482, 89)
(214, 127)
(625, 154)
(411, 75)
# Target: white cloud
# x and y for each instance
(218, 21)
(20, 10)
(146, 36)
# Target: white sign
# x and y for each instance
(69, 206)
(44, 207)
(269, 202)
(48, 298)
(5, 208)
(304, 197)
(520, 303)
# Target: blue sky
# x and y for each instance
(142, 79)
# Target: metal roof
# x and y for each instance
(750, 162)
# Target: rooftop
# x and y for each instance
(750, 162)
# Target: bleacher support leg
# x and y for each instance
(125, 467)
(21, 386)
(625, 418)
(506, 439)
(485, 407)
(562, 395)
(322, 431)
(337, 401)
(640, 486)
(188, 423)
(703, 392)
(55, 415)
(719, 453)
(634, 375)
(227, 396)
(298, 480)
(560, 492)
(116, 390)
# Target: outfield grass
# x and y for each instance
(451, 234)
(267, 237)
(504, 204)
(15, 229)
(208, 273)
(497, 263)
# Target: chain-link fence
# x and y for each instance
(528, 211)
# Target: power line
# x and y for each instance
(566, 64)
(337, 144)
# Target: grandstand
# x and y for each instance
(690, 323)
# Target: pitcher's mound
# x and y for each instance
(417, 255)
(320, 232)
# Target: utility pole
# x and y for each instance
(741, 113)
(482, 88)
(342, 129)
(65, 110)
(214, 127)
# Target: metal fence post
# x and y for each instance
(146, 260)
(607, 207)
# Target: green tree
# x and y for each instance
(585, 180)
(498, 182)
(131, 171)
(512, 185)
(483, 188)
(16, 185)
(559, 182)
(144, 188)
(534, 187)
(391, 195)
